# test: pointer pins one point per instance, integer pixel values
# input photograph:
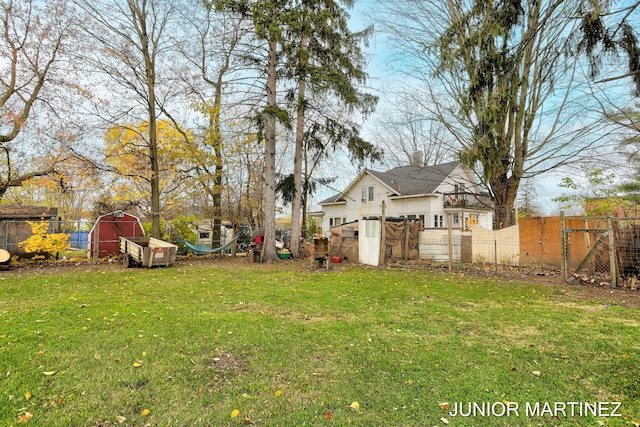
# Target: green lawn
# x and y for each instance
(225, 343)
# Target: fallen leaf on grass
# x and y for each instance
(121, 419)
(327, 415)
(145, 412)
(25, 418)
(444, 406)
(27, 396)
(247, 420)
(536, 373)
(444, 420)
(137, 364)
(355, 406)
(278, 393)
(49, 373)
(235, 413)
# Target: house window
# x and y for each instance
(422, 222)
(337, 221)
(367, 194)
(471, 220)
(456, 220)
(204, 235)
(438, 221)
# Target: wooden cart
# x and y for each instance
(147, 252)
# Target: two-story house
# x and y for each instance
(425, 193)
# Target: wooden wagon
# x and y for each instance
(147, 252)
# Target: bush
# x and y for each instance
(42, 242)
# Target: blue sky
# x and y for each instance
(380, 76)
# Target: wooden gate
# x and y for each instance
(600, 249)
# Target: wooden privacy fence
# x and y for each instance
(399, 240)
(596, 248)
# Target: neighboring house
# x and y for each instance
(425, 193)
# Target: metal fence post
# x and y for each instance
(96, 241)
(613, 267)
(450, 236)
(564, 262)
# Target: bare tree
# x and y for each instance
(497, 75)
(35, 37)
(217, 46)
(130, 48)
(406, 131)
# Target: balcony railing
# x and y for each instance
(467, 200)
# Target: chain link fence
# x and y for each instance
(603, 250)
(83, 236)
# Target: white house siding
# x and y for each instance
(485, 220)
(426, 206)
(353, 208)
(457, 176)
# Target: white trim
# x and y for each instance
(413, 196)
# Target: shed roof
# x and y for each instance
(27, 212)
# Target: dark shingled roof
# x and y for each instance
(408, 181)
(28, 212)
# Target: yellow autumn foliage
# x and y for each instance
(43, 242)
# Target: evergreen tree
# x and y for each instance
(608, 28)
(323, 56)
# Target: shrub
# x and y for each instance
(43, 242)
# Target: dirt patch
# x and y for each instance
(587, 291)
(227, 362)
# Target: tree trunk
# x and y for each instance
(505, 191)
(269, 185)
(296, 226)
(216, 141)
(153, 143)
(155, 179)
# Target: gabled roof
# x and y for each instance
(408, 181)
(404, 180)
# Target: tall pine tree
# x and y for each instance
(323, 57)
